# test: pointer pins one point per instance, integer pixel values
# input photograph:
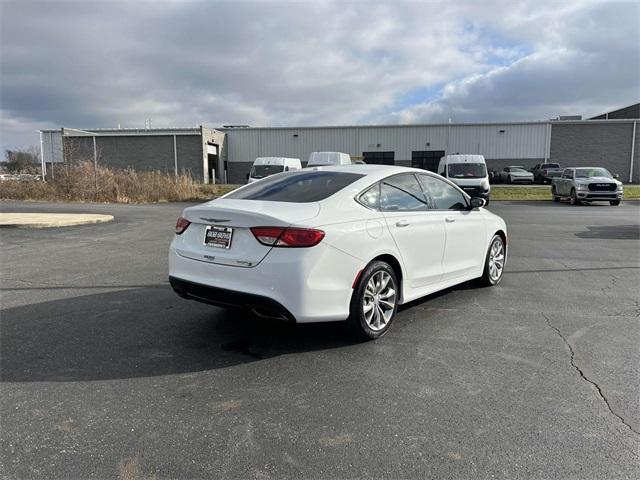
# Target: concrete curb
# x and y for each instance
(50, 220)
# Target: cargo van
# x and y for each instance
(264, 166)
(469, 172)
(319, 159)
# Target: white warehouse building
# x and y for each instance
(419, 146)
(225, 155)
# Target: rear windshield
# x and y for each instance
(550, 165)
(467, 170)
(261, 171)
(298, 187)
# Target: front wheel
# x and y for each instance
(615, 203)
(374, 301)
(573, 198)
(494, 262)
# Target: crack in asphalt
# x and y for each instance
(585, 378)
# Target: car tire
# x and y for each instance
(494, 262)
(374, 301)
(554, 196)
(573, 198)
(486, 201)
(615, 203)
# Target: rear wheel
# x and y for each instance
(374, 301)
(494, 262)
(615, 203)
(573, 198)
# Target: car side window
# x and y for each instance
(506, 169)
(402, 193)
(371, 197)
(567, 173)
(444, 196)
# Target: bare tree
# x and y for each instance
(22, 160)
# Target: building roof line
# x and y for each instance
(196, 130)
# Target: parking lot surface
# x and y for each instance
(107, 374)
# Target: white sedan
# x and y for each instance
(336, 243)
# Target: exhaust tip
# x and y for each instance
(268, 313)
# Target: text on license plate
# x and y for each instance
(218, 236)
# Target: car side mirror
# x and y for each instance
(477, 202)
(616, 176)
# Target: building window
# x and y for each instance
(379, 158)
(427, 159)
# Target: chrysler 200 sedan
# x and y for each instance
(336, 243)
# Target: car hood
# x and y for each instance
(520, 174)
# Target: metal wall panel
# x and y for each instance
(243, 145)
(52, 146)
(516, 141)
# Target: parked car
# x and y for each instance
(264, 166)
(494, 176)
(469, 172)
(322, 159)
(515, 174)
(544, 172)
(587, 184)
(337, 243)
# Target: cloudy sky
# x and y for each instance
(88, 64)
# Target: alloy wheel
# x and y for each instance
(496, 260)
(379, 300)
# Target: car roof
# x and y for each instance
(369, 170)
(372, 174)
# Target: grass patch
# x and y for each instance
(81, 182)
(631, 192)
(520, 193)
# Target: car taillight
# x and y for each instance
(544, 172)
(287, 237)
(181, 225)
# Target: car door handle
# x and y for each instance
(402, 223)
(449, 219)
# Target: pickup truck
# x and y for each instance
(544, 172)
(586, 184)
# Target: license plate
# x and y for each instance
(219, 237)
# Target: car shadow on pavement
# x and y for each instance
(611, 232)
(143, 332)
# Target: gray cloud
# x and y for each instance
(99, 64)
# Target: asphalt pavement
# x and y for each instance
(105, 373)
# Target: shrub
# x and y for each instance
(82, 182)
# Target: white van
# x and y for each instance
(320, 159)
(469, 172)
(264, 166)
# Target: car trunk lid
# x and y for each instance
(239, 216)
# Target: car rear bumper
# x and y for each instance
(303, 284)
(263, 306)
